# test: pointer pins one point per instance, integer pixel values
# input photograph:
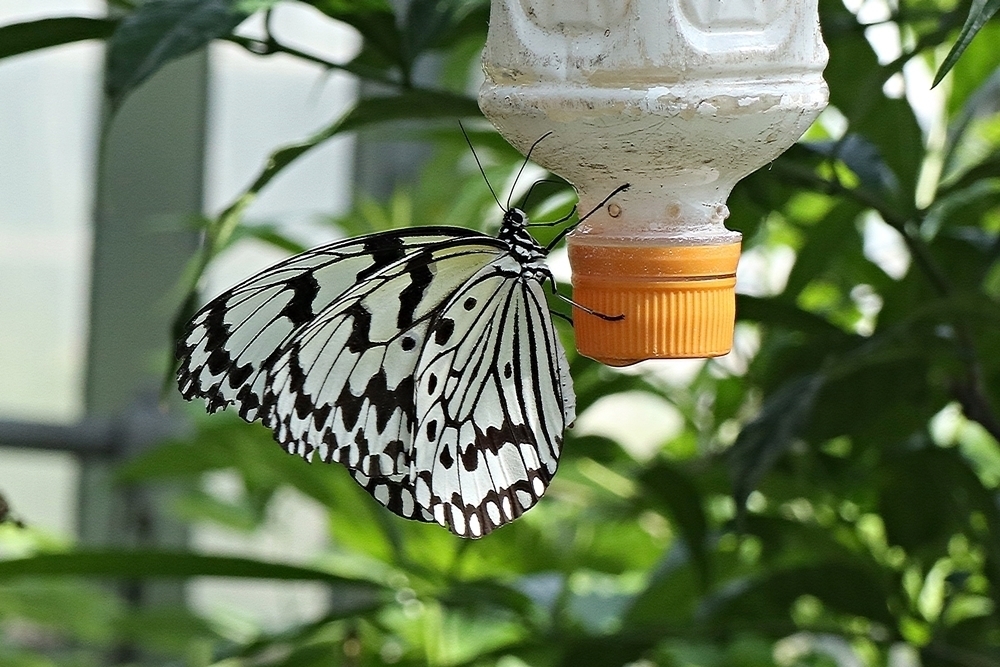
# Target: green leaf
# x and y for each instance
(782, 313)
(825, 241)
(927, 496)
(487, 594)
(165, 564)
(411, 104)
(376, 22)
(863, 158)
(34, 35)
(435, 23)
(79, 609)
(668, 487)
(672, 595)
(169, 630)
(845, 587)
(781, 419)
(320, 654)
(980, 12)
(973, 71)
(612, 651)
(159, 31)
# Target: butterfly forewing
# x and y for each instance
(227, 347)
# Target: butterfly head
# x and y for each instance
(514, 231)
(515, 218)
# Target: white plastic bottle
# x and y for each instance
(679, 98)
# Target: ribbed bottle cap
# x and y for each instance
(679, 301)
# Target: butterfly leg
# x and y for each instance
(562, 316)
(547, 276)
(603, 316)
(561, 220)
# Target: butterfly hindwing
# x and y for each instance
(492, 403)
(397, 496)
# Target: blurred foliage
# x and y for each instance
(830, 496)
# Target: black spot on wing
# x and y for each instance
(470, 458)
(248, 400)
(398, 497)
(330, 440)
(239, 374)
(446, 458)
(361, 444)
(320, 414)
(296, 384)
(410, 297)
(384, 250)
(493, 438)
(395, 449)
(361, 323)
(387, 401)
(443, 329)
(304, 288)
(216, 337)
(349, 406)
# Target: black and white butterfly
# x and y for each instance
(424, 360)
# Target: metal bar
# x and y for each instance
(90, 437)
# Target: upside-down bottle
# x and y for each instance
(678, 98)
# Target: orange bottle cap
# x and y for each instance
(678, 301)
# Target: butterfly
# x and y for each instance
(424, 360)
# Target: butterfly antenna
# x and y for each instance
(481, 170)
(559, 237)
(524, 164)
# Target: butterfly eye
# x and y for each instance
(515, 216)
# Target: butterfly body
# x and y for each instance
(424, 360)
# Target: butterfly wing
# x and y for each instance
(494, 397)
(337, 349)
(396, 495)
(341, 388)
(229, 344)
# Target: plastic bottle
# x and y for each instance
(678, 98)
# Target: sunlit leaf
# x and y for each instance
(980, 12)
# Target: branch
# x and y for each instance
(271, 46)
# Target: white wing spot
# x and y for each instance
(494, 512)
(458, 520)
